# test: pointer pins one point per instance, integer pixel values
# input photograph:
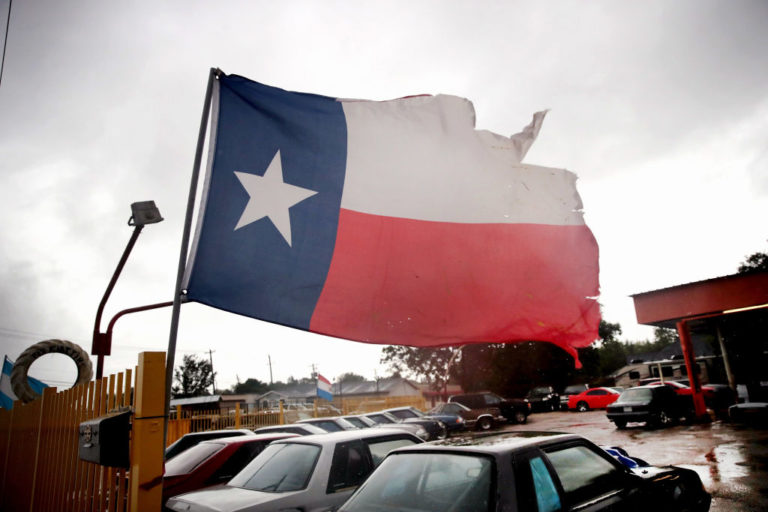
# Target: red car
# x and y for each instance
(213, 462)
(593, 398)
(682, 389)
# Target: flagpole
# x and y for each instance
(177, 296)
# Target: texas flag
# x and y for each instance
(392, 222)
(324, 388)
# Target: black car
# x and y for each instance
(515, 410)
(522, 471)
(543, 398)
(656, 406)
(435, 429)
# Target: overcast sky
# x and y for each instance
(660, 107)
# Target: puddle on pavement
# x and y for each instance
(725, 463)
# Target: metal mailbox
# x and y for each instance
(105, 440)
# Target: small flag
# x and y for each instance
(7, 396)
(324, 388)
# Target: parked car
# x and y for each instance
(189, 440)
(718, 397)
(595, 398)
(453, 422)
(329, 424)
(435, 429)
(305, 473)
(361, 421)
(213, 462)
(480, 419)
(523, 471)
(543, 398)
(294, 428)
(656, 406)
(515, 410)
(573, 389)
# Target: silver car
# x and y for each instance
(310, 473)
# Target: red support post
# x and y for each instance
(699, 406)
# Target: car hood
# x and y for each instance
(225, 498)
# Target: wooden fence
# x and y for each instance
(40, 466)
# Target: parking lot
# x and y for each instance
(732, 460)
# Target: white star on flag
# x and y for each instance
(271, 197)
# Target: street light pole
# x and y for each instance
(142, 213)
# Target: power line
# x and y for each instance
(5, 43)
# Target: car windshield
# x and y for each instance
(426, 482)
(634, 395)
(281, 467)
(573, 390)
(539, 392)
(380, 418)
(404, 414)
(190, 458)
(357, 422)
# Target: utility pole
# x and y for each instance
(213, 375)
(269, 357)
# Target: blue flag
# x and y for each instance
(7, 396)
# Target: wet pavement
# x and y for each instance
(732, 460)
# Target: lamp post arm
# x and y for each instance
(97, 346)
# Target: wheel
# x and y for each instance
(484, 424)
(443, 433)
(552, 407)
(582, 406)
(520, 417)
(620, 424)
(665, 419)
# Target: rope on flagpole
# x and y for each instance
(5, 42)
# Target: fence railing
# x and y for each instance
(40, 466)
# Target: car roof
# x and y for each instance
(224, 432)
(306, 427)
(494, 443)
(251, 438)
(331, 438)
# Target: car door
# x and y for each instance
(573, 477)
(598, 398)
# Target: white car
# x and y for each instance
(310, 473)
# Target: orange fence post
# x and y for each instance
(147, 448)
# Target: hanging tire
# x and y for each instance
(19, 382)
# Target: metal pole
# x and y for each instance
(184, 247)
(726, 359)
(98, 347)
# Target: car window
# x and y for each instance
(357, 422)
(281, 467)
(379, 448)
(492, 400)
(349, 467)
(583, 473)
(595, 392)
(427, 482)
(190, 458)
(547, 499)
(236, 462)
(634, 394)
(327, 425)
(380, 418)
(451, 409)
(404, 414)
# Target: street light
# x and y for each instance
(142, 213)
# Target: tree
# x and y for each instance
(757, 262)
(429, 363)
(194, 377)
(250, 385)
(350, 377)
